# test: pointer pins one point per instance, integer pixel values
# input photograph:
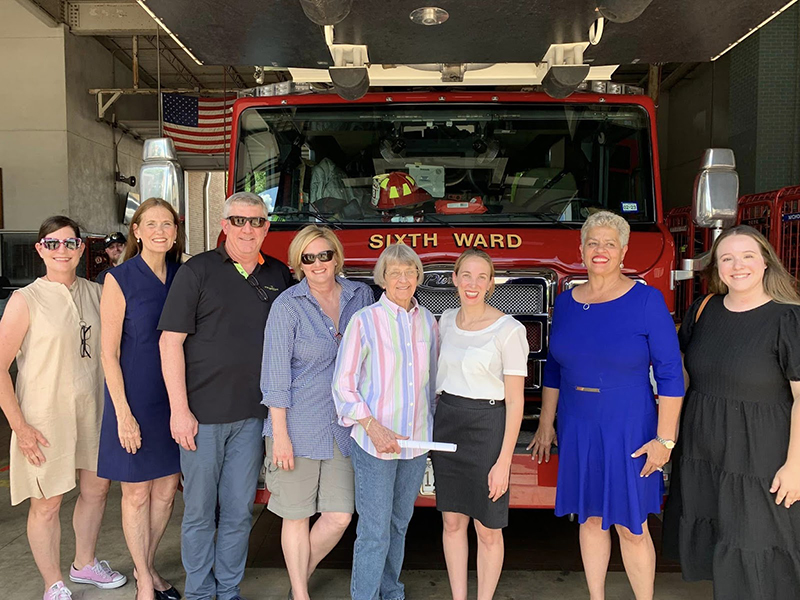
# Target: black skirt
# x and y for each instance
(462, 477)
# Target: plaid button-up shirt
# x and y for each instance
(300, 345)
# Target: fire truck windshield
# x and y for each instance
(452, 164)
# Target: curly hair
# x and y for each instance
(605, 218)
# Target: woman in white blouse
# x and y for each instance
(480, 379)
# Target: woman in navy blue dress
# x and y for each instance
(136, 446)
(613, 439)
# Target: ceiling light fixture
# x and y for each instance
(429, 15)
(754, 29)
(167, 29)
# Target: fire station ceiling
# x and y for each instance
(277, 32)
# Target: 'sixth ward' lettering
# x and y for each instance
(379, 241)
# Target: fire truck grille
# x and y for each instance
(525, 298)
(511, 298)
(532, 381)
(535, 337)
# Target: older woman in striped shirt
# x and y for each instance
(308, 464)
(384, 386)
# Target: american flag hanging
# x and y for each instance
(198, 124)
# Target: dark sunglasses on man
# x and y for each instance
(310, 259)
(257, 222)
(52, 244)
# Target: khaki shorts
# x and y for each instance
(313, 486)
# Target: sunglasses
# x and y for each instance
(262, 294)
(86, 333)
(257, 222)
(52, 244)
(310, 259)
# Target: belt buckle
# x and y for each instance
(580, 388)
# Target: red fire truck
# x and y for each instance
(510, 172)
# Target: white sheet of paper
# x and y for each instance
(437, 446)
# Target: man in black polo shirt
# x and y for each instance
(211, 346)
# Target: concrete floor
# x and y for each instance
(20, 580)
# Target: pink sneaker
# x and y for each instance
(58, 591)
(98, 574)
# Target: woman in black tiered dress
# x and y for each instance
(730, 516)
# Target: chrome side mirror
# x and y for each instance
(131, 204)
(716, 190)
(715, 203)
(161, 175)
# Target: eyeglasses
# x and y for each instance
(310, 259)
(257, 222)
(262, 294)
(86, 333)
(52, 244)
(408, 274)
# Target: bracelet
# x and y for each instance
(366, 429)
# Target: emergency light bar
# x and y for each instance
(289, 88)
(282, 88)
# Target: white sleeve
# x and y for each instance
(515, 350)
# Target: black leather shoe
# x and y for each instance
(170, 594)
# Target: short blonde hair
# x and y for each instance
(396, 253)
(478, 253)
(304, 237)
(605, 218)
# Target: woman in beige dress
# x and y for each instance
(52, 328)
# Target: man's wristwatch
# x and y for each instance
(668, 444)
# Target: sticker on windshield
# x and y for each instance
(628, 207)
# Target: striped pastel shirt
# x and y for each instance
(386, 368)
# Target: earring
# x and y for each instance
(138, 240)
(621, 265)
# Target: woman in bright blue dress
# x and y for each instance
(136, 445)
(613, 439)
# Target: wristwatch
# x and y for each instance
(668, 444)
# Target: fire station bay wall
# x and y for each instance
(56, 158)
(748, 100)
